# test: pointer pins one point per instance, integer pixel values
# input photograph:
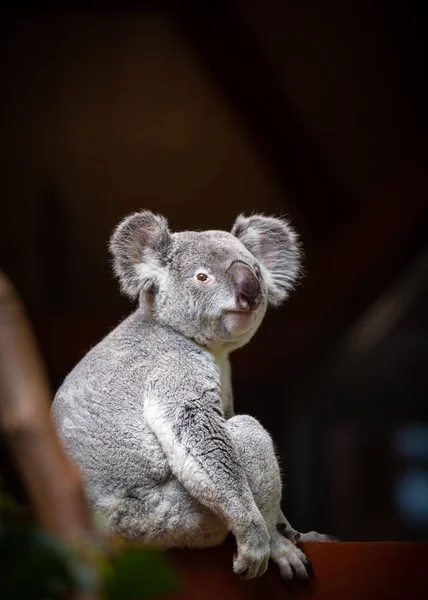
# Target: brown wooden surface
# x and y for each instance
(342, 571)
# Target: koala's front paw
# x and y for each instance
(253, 552)
(290, 560)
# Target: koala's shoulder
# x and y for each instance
(176, 352)
(158, 346)
(179, 361)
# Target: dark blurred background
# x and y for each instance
(315, 110)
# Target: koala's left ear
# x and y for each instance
(275, 245)
(140, 246)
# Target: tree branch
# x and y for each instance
(53, 483)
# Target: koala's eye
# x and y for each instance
(201, 276)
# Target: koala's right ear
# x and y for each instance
(140, 246)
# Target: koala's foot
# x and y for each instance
(314, 536)
(290, 560)
(311, 536)
(296, 537)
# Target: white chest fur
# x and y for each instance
(223, 363)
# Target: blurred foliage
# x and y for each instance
(139, 574)
(36, 565)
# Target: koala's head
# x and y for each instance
(211, 286)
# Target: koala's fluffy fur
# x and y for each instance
(147, 414)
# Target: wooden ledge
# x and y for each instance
(342, 571)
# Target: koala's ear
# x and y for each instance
(140, 246)
(275, 245)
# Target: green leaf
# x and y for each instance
(139, 574)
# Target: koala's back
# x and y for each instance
(98, 410)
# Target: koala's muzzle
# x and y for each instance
(248, 293)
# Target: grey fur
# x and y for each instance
(147, 414)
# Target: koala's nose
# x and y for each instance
(248, 292)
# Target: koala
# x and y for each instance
(148, 413)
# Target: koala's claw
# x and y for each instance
(248, 566)
(290, 560)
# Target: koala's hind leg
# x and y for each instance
(165, 516)
(258, 458)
